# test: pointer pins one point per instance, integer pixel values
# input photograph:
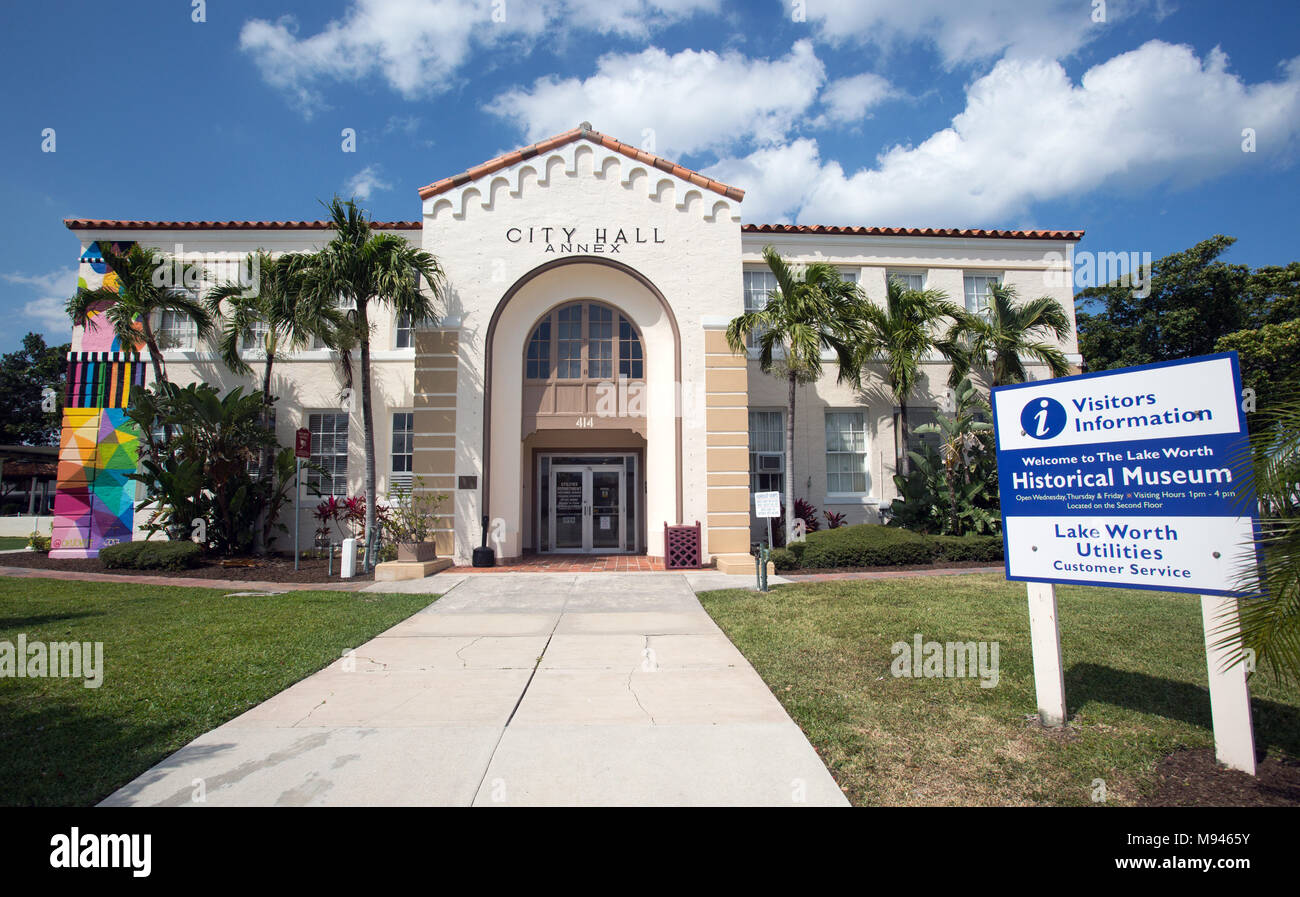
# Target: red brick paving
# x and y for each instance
(187, 582)
(572, 563)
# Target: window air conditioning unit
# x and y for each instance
(771, 462)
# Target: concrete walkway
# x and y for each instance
(516, 689)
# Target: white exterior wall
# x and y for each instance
(305, 380)
(583, 186)
(698, 270)
(1025, 264)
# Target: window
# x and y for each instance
(255, 463)
(977, 291)
(342, 304)
(402, 335)
(329, 450)
(600, 343)
(581, 339)
(915, 418)
(846, 452)
(539, 352)
(912, 280)
(766, 451)
(568, 343)
(630, 363)
(403, 449)
(176, 330)
(758, 284)
(255, 336)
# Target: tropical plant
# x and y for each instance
(812, 309)
(1009, 334)
(900, 334)
(1270, 612)
(411, 513)
(807, 512)
(276, 311)
(953, 490)
(359, 267)
(834, 520)
(135, 293)
(202, 475)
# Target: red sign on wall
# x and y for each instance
(302, 443)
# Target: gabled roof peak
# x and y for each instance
(582, 132)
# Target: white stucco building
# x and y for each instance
(578, 390)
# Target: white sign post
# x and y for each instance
(1132, 478)
(1234, 736)
(1045, 640)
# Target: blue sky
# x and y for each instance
(983, 113)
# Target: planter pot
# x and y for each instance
(417, 551)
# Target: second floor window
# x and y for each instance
(176, 330)
(402, 334)
(584, 340)
(977, 291)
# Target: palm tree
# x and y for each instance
(900, 335)
(1270, 604)
(810, 310)
(138, 297)
(291, 320)
(358, 267)
(1002, 338)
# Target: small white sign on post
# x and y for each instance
(767, 504)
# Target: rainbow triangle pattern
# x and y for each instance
(95, 503)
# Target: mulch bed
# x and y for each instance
(1195, 779)
(273, 568)
(938, 565)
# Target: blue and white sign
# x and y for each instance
(1127, 478)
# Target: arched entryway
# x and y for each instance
(552, 339)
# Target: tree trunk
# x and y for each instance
(267, 467)
(159, 376)
(789, 462)
(904, 462)
(368, 432)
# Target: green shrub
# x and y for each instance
(37, 542)
(797, 549)
(866, 545)
(150, 555)
(967, 548)
(784, 559)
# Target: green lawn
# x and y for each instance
(9, 542)
(178, 662)
(1135, 684)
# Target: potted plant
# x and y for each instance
(409, 521)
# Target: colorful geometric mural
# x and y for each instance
(98, 448)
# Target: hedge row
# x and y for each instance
(151, 555)
(872, 545)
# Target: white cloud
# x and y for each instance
(684, 102)
(52, 291)
(419, 46)
(1157, 114)
(971, 30)
(848, 99)
(365, 183)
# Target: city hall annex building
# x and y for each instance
(577, 389)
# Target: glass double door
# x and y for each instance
(587, 513)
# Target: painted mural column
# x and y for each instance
(98, 446)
